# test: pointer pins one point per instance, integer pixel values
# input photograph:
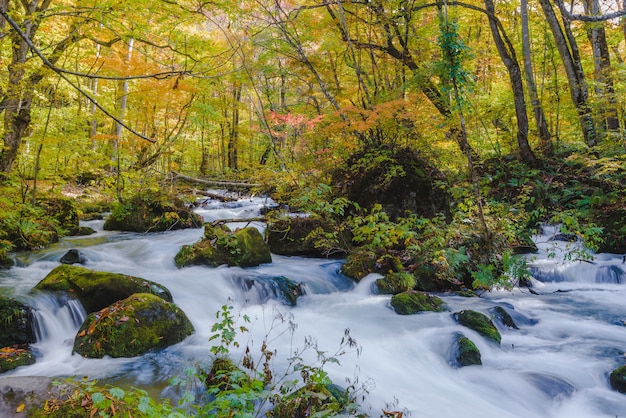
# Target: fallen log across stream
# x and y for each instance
(218, 183)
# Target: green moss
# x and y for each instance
(411, 302)
(288, 290)
(151, 212)
(618, 379)
(15, 356)
(131, 327)
(323, 399)
(244, 247)
(478, 322)
(63, 210)
(15, 323)
(98, 289)
(394, 283)
(467, 354)
(362, 262)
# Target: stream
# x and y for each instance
(571, 334)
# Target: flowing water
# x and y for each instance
(571, 334)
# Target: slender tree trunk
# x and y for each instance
(568, 50)
(602, 66)
(123, 102)
(233, 134)
(515, 76)
(540, 118)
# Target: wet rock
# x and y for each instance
(98, 289)
(411, 302)
(479, 322)
(32, 392)
(84, 231)
(465, 352)
(502, 317)
(73, 256)
(15, 356)
(16, 324)
(131, 327)
(244, 248)
(394, 283)
(618, 379)
(363, 261)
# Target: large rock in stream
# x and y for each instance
(152, 212)
(131, 327)
(16, 323)
(98, 289)
(411, 302)
(480, 323)
(243, 247)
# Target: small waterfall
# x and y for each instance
(56, 318)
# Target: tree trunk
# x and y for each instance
(568, 51)
(233, 135)
(602, 65)
(515, 76)
(540, 118)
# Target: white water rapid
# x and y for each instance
(571, 335)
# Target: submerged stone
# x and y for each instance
(131, 327)
(98, 289)
(411, 302)
(244, 248)
(503, 317)
(479, 322)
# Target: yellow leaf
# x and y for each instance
(20, 408)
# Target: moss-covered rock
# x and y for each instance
(411, 302)
(394, 283)
(16, 327)
(618, 379)
(224, 375)
(15, 356)
(362, 262)
(63, 210)
(131, 327)
(299, 236)
(465, 352)
(244, 247)
(397, 178)
(479, 322)
(152, 212)
(98, 289)
(5, 260)
(503, 317)
(325, 400)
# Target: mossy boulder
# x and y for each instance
(411, 302)
(617, 379)
(224, 375)
(397, 178)
(501, 316)
(244, 248)
(15, 356)
(16, 323)
(298, 235)
(63, 210)
(394, 283)
(479, 322)
(465, 352)
(311, 400)
(152, 212)
(98, 289)
(362, 262)
(131, 327)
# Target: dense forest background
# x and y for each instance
(515, 108)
